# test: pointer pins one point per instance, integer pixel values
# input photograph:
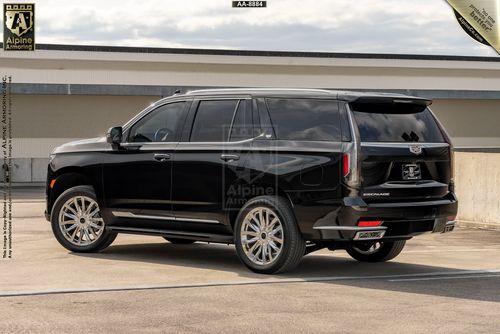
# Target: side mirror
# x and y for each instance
(114, 135)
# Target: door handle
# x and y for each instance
(161, 157)
(229, 157)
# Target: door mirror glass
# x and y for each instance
(114, 135)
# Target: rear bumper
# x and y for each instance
(401, 220)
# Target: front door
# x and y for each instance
(137, 178)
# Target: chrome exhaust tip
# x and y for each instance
(449, 226)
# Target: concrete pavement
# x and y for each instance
(449, 283)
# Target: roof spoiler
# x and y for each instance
(394, 100)
(390, 104)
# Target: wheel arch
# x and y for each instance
(267, 190)
(65, 179)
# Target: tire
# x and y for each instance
(95, 238)
(179, 241)
(387, 251)
(247, 237)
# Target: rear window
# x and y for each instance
(305, 119)
(213, 121)
(411, 125)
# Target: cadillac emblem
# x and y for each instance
(416, 149)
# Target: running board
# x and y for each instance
(208, 237)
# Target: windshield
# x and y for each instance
(409, 126)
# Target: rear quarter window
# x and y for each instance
(305, 119)
(412, 125)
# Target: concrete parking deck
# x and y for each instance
(446, 283)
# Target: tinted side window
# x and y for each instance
(161, 125)
(379, 126)
(263, 120)
(305, 119)
(242, 127)
(213, 120)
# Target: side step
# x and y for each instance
(208, 237)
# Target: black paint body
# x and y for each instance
(196, 194)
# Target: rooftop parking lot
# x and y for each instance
(447, 283)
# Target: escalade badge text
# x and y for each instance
(416, 149)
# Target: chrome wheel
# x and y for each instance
(80, 221)
(262, 236)
(369, 249)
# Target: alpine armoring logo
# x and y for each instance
(473, 33)
(479, 19)
(19, 27)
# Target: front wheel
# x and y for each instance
(379, 251)
(267, 238)
(77, 223)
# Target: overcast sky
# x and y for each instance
(379, 26)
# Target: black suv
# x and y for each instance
(278, 172)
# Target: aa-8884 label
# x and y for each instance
(249, 4)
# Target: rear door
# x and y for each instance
(209, 160)
(404, 155)
(299, 153)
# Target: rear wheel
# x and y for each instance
(179, 241)
(77, 223)
(376, 251)
(267, 238)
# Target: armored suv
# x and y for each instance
(279, 173)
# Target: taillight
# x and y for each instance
(369, 223)
(345, 165)
(350, 158)
(452, 162)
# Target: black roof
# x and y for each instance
(349, 96)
